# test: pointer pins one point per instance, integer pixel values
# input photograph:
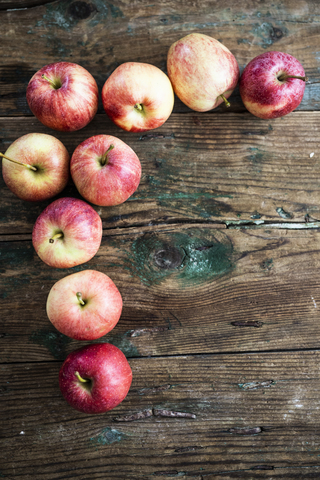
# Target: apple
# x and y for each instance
(138, 97)
(63, 96)
(105, 170)
(84, 305)
(95, 378)
(272, 84)
(36, 167)
(67, 233)
(203, 72)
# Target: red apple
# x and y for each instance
(272, 85)
(203, 72)
(36, 167)
(84, 305)
(105, 170)
(67, 233)
(63, 96)
(95, 378)
(138, 97)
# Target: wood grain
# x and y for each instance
(102, 35)
(204, 167)
(186, 289)
(238, 432)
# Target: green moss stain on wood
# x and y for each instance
(123, 342)
(107, 437)
(55, 342)
(193, 257)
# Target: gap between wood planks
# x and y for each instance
(224, 224)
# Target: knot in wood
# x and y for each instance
(168, 257)
(80, 10)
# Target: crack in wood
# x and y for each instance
(159, 412)
(245, 430)
(134, 416)
(188, 449)
(248, 323)
(256, 385)
(152, 136)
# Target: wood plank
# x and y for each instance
(186, 289)
(203, 168)
(89, 33)
(256, 417)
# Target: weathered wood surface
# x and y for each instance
(216, 256)
(256, 416)
(186, 289)
(202, 167)
(101, 35)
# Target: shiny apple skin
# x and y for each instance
(109, 373)
(51, 159)
(68, 108)
(82, 232)
(110, 184)
(261, 91)
(201, 69)
(138, 83)
(98, 316)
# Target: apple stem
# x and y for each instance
(284, 77)
(104, 159)
(79, 297)
(57, 235)
(227, 104)
(31, 167)
(139, 107)
(83, 380)
(55, 85)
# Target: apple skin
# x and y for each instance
(108, 372)
(81, 230)
(68, 107)
(48, 155)
(101, 310)
(109, 184)
(261, 91)
(134, 83)
(201, 69)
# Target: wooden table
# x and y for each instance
(216, 255)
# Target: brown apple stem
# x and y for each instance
(79, 297)
(83, 380)
(139, 107)
(57, 235)
(104, 159)
(54, 84)
(227, 104)
(284, 77)
(31, 167)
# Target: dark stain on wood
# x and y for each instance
(81, 10)
(55, 342)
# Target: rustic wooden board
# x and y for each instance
(256, 417)
(102, 35)
(186, 289)
(200, 167)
